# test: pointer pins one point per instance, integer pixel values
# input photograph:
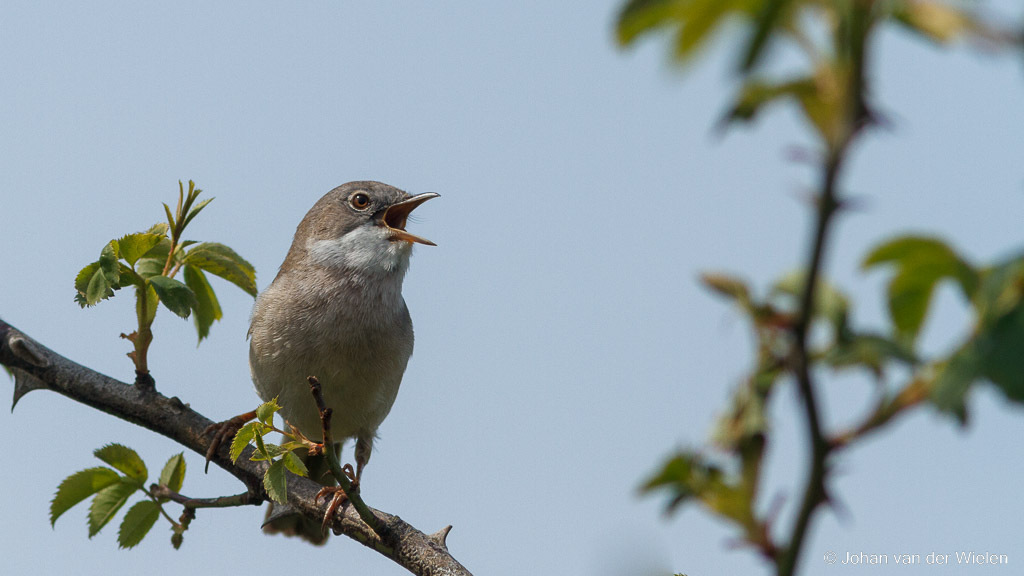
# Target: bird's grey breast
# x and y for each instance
(352, 333)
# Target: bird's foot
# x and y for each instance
(222, 431)
(337, 494)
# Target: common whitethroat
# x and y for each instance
(336, 311)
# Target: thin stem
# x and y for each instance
(243, 499)
(890, 407)
(814, 492)
(159, 507)
(351, 491)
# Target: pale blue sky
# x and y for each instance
(563, 344)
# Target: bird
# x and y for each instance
(335, 311)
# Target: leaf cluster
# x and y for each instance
(834, 59)
(727, 481)
(149, 261)
(112, 487)
(282, 457)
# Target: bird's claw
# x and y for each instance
(222, 431)
(338, 495)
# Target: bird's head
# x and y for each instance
(360, 226)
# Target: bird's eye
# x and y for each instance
(359, 201)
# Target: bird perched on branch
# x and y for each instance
(336, 311)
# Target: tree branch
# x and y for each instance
(36, 367)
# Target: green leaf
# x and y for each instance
(295, 464)
(145, 316)
(243, 437)
(196, 209)
(170, 217)
(91, 286)
(124, 459)
(266, 450)
(109, 265)
(265, 413)
(177, 297)
(207, 308)
(108, 501)
(954, 378)
(78, 487)
(134, 246)
(173, 474)
(261, 449)
(921, 263)
(129, 277)
(219, 260)
(137, 522)
(276, 482)
(159, 228)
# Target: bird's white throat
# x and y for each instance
(366, 250)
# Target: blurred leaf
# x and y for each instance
(728, 286)
(1000, 290)
(295, 464)
(829, 303)
(1003, 358)
(756, 94)
(276, 482)
(177, 297)
(108, 501)
(771, 14)
(173, 474)
(207, 309)
(265, 413)
(680, 475)
(1000, 334)
(640, 16)
(869, 351)
(137, 522)
(134, 246)
(78, 487)
(242, 438)
(219, 260)
(745, 417)
(953, 380)
(921, 263)
(934, 20)
(124, 459)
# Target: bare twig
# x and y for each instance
(36, 366)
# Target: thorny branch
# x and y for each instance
(37, 367)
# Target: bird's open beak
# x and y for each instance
(397, 214)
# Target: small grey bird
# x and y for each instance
(336, 311)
